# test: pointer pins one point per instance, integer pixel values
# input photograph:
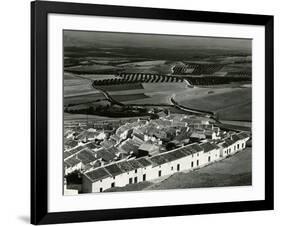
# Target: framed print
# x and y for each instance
(145, 112)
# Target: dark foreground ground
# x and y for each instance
(232, 171)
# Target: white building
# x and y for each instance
(72, 164)
(189, 157)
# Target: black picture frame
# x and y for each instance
(39, 112)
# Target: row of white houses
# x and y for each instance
(188, 157)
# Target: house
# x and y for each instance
(92, 146)
(138, 172)
(70, 143)
(244, 137)
(224, 149)
(108, 143)
(210, 134)
(87, 135)
(72, 164)
(96, 180)
(188, 157)
(240, 140)
(125, 166)
(128, 146)
(211, 151)
(115, 138)
(197, 136)
(140, 136)
(72, 152)
(105, 156)
(183, 135)
(147, 149)
(196, 155)
(145, 171)
(87, 156)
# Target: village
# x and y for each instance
(119, 152)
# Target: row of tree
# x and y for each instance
(138, 78)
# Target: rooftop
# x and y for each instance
(86, 156)
(70, 162)
(208, 146)
(135, 164)
(243, 135)
(97, 174)
(158, 160)
(144, 162)
(113, 169)
(125, 166)
(105, 155)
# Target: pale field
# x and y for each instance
(158, 93)
(144, 63)
(229, 103)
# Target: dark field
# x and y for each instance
(132, 97)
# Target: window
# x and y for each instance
(144, 177)
(197, 162)
(130, 180)
(159, 173)
(136, 170)
(237, 146)
(197, 154)
(242, 145)
(234, 147)
(172, 168)
(113, 178)
(113, 185)
(178, 167)
(209, 159)
(136, 180)
(191, 164)
(100, 189)
(100, 180)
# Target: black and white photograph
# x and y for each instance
(140, 112)
(149, 112)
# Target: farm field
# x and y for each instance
(82, 118)
(87, 98)
(121, 87)
(73, 85)
(144, 93)
(228, 103)
(158, 93)
(94, 68)
(238, 123)
(233, 171)
(126, 98)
